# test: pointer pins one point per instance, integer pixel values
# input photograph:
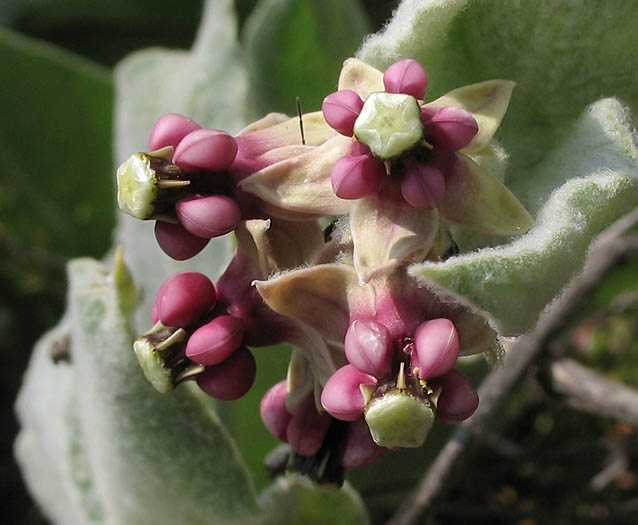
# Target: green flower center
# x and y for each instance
(399, 419)
(137, 186)
(389, 124)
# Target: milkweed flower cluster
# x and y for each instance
(327, 228)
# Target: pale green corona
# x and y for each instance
(153, 366)
(137, 186)
(389, 124)
(399, 419)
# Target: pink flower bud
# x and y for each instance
(407, 77)
(451, 128)
(341, 109)
(355, 177)
(154, 314)
(184, 298)
(177, 242)
(369, 348)
(458, 399)
(208, 216)
(307, 428)
(360, 450)
(273, 411)
(341, 395)
(206, 149)
(170, 129)
(423, 185)
(436, 347)
(215, 341)
(230, 379)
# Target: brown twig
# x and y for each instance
(605, 253)
(588, 391)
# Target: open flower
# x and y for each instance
(401, 343)
(188, 181)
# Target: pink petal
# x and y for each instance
(307, 428)
(341, 395)
(213, 342)
(184, 298)
(206, 149)
(355, 177)
(230, 379)
(458, 399)
(360, 450)
(273, 411)
(341, 109)
(436, 347)
(170, 129)
(210, 216)
(407, 77)
(423, 185)
(451, 128)
(177, 242)
(368, 348)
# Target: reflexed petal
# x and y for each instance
(360, 77)
(318, 296)
(477, 200)
(387, 231)
(281, 245)
(302, 183)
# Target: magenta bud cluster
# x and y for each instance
(305, 430)
(200, 217)
(421, 177)
(188, 300)
(374, 357)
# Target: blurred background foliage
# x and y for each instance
(57, 202)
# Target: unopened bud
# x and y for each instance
(451, 128)
(436, 348)
(341, 109)
(369, 348)
(184, 298)
(407, 77)
(423, 185)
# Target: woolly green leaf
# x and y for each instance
(293, 499)
(51, 447)
(156, 458)
(512, 285)
(296, 49)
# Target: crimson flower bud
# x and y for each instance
(184, 298)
